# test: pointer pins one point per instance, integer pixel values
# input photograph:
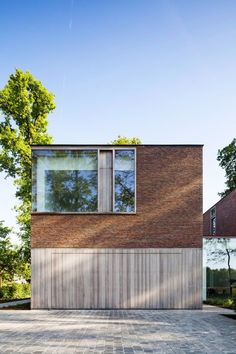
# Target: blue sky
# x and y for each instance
(163, 71)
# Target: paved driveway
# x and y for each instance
(117, 332)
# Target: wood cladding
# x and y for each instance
(105, 181)
(116, 278)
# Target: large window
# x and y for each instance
(219, 267)
(65, 181)
(88, 180)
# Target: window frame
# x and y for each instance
(97, 149)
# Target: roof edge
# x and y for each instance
(219, 201)
(110, 145)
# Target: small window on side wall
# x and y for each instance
(213, 221)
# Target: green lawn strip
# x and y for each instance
(17, 307)
(228, 303)
(4, 301)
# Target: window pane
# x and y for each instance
(213, 226)
(65, 181)
(219, 271)
(124, 181)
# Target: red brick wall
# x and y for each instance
(225, 217)
(169, 208)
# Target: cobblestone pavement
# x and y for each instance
(136, 331)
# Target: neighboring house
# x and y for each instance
(219, 232)
(220, 219)
(117, 226)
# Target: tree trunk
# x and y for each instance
(229, 272)
(0, 281)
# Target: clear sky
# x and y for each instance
(161, 70)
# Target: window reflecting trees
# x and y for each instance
(70, 191)
(65, 181)
(124, 181)
(219, 266)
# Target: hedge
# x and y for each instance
(14, 291)
(229, 302)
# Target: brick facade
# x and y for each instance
(168, 202)
(225, 217)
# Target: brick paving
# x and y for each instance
(121, 331)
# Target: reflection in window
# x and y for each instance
(124, 181)
(219, 267)
(213, 226)
(71, 191)
(65, 181)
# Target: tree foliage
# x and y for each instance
(227, 160)
(122, 140)
(24, 106)
(8, 255)
(12, 262)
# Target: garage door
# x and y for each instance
(135, 279)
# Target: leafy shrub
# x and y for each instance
(14, 291)
(228, 303)
(224, 302)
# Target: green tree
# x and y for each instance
(123, 140)
(227, 160)
(24, 104)
(8, 255)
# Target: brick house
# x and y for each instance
(219, 231)
(117, 226)
(220, 219)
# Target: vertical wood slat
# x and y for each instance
(131, 279)
(106, 181)
(178, 300)
(34, 286)
(116, 278)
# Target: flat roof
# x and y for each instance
(54, 146)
